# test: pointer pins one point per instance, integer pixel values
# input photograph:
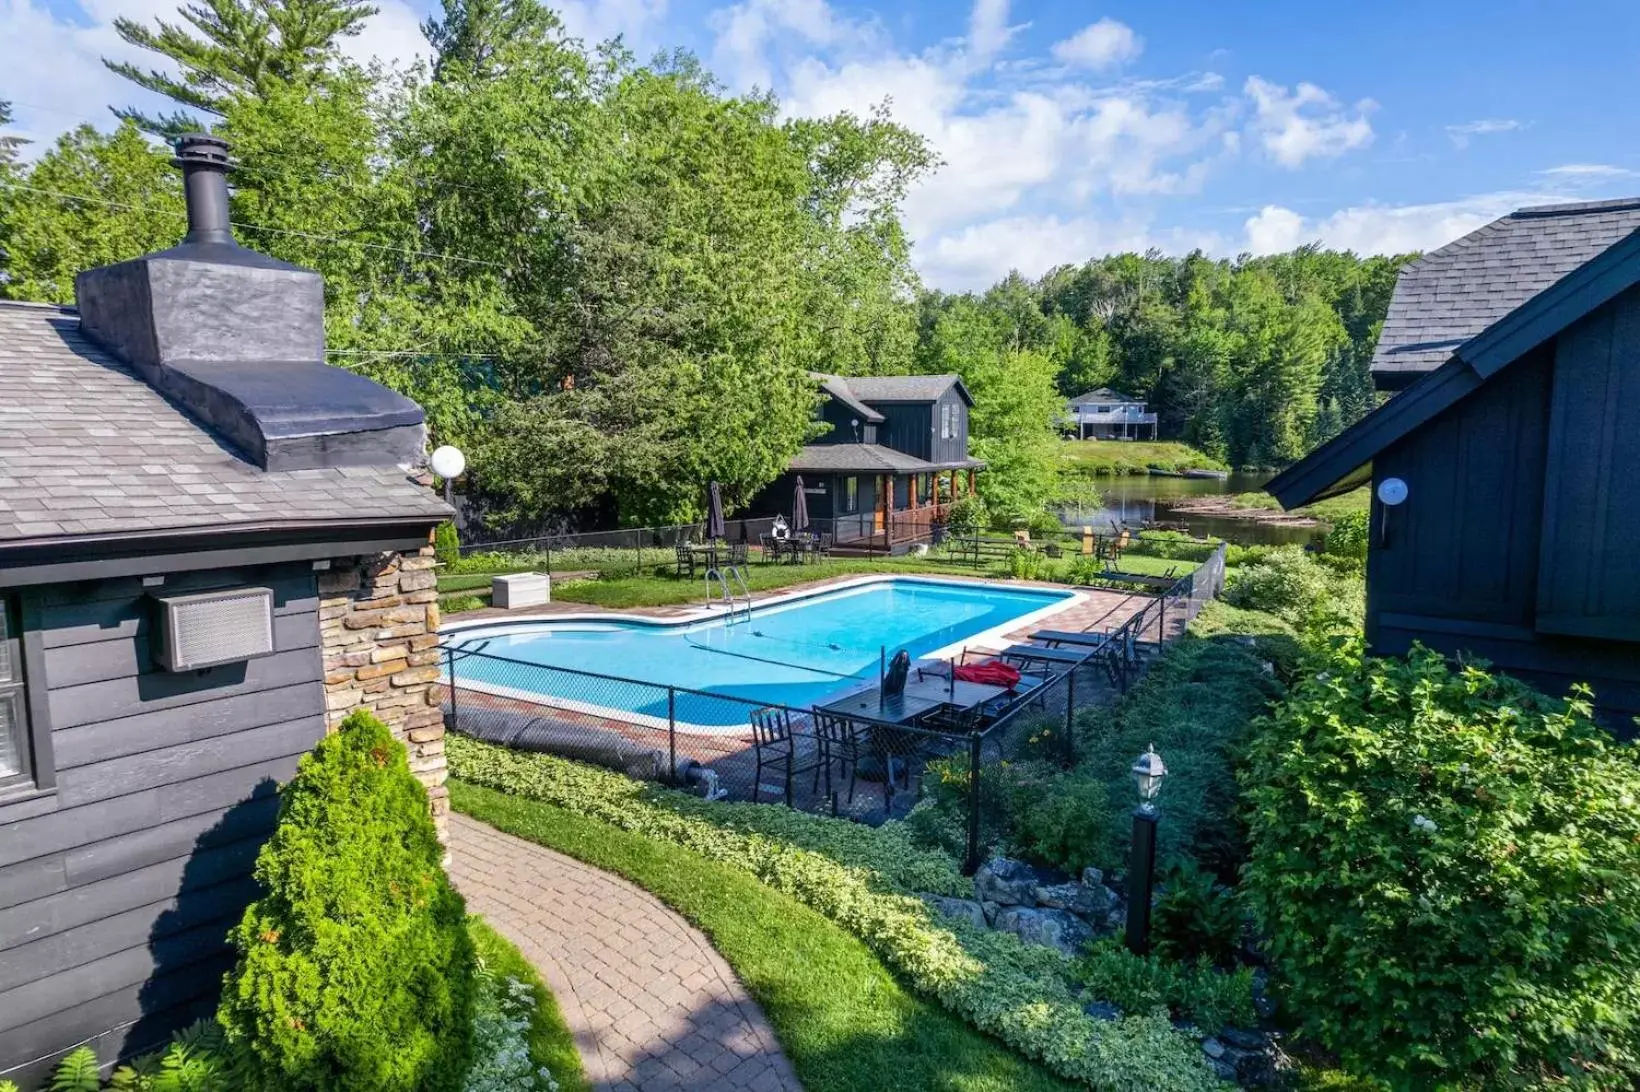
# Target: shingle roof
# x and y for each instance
(1452, 294)
(88, 448)
(900, 388)
(1105, 394)
(865, 458)
(838, 388)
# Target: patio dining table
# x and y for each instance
(919, 698)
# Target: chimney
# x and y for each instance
(237, 339)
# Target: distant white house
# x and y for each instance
(1105, 414)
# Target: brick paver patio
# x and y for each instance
(651, 1004)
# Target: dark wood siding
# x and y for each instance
(116, 899)
(1465, 543)
(907, 426)
(954, 449)
(1589, 576)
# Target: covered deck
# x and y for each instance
(874, 498)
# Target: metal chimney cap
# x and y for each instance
(201, 150)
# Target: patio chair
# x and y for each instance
(686, 560)
(774, 745)
(840, 741)
(822, 546)
(737, 554)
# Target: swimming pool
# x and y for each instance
(797, 650)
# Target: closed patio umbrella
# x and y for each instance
(800, 507)
(714, 513)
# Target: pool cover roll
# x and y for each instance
(581, 742)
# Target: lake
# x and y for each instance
(1137, 499)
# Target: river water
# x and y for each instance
(1138, 499)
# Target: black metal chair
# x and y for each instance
(686, 560)
(840, 741)
(775, 745)
(737, 554)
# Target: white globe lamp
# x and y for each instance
(448, 463)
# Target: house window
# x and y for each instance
(15, 765)
(945, 421)
(851, 494)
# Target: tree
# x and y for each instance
(93, 199)
(234, 48)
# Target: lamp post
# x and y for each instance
(448, 463)
(1148, 772)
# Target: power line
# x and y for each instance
(258, 227)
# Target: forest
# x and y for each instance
(607, 280)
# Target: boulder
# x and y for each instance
(1006, 882)
(1102, 1010)
(1223, 1070)
(1243, 1040)
(1057, 929)
(1212, 1047)
(991, 910)
(959, 909)
(1088, 902)
(1093, 877)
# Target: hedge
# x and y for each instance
(863, 879)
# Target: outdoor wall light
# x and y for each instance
(448, 463)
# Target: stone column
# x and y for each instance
(378, 621)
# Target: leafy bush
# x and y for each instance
(1446, 866)
(999, 985)
(1173, 546)
(501, 1047)
(1290, 584)
(197, 1059)
(968, 515)
(1026, 564)
(447, 545)
(1348, 536)
(1196, 917)
(1060, 819)
(1209, 998)
(355, 969)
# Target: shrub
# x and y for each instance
(1026, 564)
(501, 1046)
(355, 969)
(968, 515)
(1008, 989)
(1209, 998)
(1173, 546)
(1446, 866)
(1196, 917)
(1290, 584)
(197, 1059)
(1061, 819)
(447, 545)
(1347, 537)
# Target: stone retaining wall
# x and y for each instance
(378, 621)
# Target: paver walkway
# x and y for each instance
(651, 1004)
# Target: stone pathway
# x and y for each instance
(651, 1004)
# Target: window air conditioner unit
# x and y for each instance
(211, 628)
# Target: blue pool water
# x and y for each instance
(795, 653)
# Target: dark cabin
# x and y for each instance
(196, 513)
(1511, 453)
(892, 459)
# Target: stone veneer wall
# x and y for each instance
(378, 622)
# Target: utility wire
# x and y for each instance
(258, 227)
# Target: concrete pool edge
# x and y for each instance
(992, 639)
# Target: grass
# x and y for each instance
(1134, 456)
(551, 1043)
(1359, 500)
(844, 1021)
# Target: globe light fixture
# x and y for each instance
(448, 463)
(1148, 772)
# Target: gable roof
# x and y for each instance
(1451, 295)
(837, 387)
(1105, 394)
(905, 388)
(1338, 465)
(90, 450)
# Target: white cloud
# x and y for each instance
(600, 20)
(1579, 173)
(988, 29)
(393, 36)
(1308, 123)
(1462, 134)
(1384, 229)
(1100, 45)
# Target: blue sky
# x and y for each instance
(1070, 130)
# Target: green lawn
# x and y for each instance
(844, 1021)
(650, 590)
(1359, 500)
(551, 1043)
(1133, 456)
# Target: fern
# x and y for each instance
(78, 1072)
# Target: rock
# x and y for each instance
(960, 909)
(1006, 882)
(991, 910)
(1093, 877)
(1263, 1003)
(1212, 1048)
(1243, 1040)
(1102, 1010)
(1058, 929)
(1075, 897)
(1224, 1070)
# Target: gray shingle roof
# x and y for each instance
(1105, 394)
(838, 388)
(88, 448)
(1452, 294)
(865, 459)
(899, 388)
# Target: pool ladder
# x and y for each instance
(725, 593)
